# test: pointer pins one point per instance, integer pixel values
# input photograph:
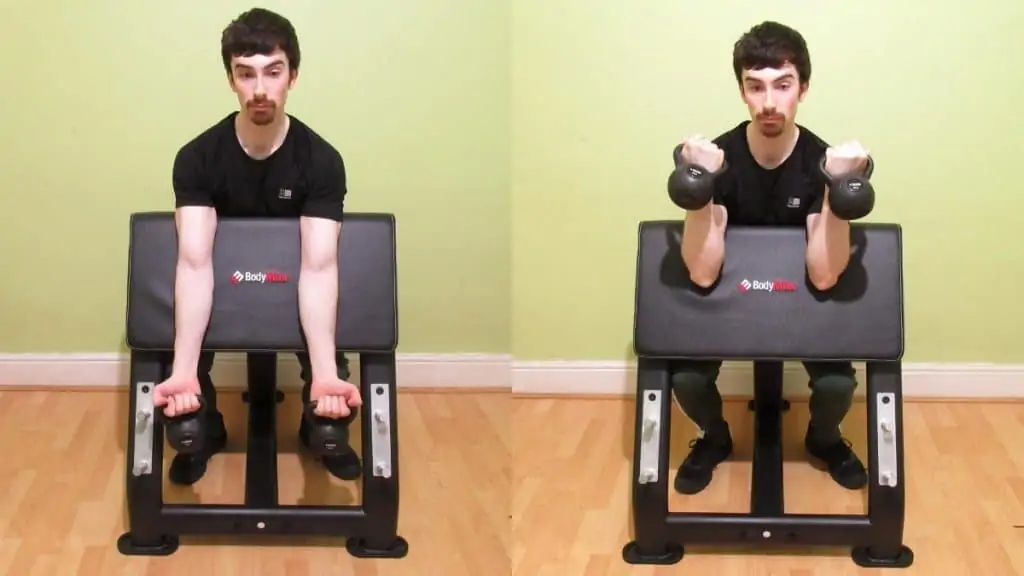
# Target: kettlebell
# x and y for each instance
(186, 433)
(691, 187)
(851, 196)
(328, 436)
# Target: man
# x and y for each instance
(772, 179)
(258, 162)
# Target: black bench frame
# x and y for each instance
(876, 538)
(371, 529)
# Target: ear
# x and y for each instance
(803, 90)
(294, 74)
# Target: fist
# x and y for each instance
(334, 397)
(702, 152)
(177, 395)
(848, 158)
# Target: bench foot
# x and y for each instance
(672, 554)
(357, 547)
(165, 546)
(864, 556)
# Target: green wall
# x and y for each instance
(518, 144)
(99, 95)
(603, 90)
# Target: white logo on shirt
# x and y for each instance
(286, 194)
(793, 202)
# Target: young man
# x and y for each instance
(772, 179)
(258, 162)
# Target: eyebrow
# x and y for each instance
(277, 62)
(787, 76)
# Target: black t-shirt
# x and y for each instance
(305, 176)
(755, 196)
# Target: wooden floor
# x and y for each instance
(490, 482)
(571, 491)
(62, 471)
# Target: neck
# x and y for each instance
(771, 152)
(261, 141)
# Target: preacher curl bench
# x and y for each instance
(763, 309)
(255, 310)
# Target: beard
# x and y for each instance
(262, 113)
(771, 125)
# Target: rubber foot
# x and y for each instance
(277, 394)
(862, 557)
(785, 405)
(358, 548)
(168, 545)
(672, 554)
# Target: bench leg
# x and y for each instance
(144, 462)
(652, 543)
(380, 461)
(886, 476)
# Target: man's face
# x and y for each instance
(772, 95)
(261, 83)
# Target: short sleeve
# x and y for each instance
(328, 188)
(187, 179)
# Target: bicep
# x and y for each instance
(197, 228)
(319, 241)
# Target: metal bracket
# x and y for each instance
(888, 456)
(142, 454)
(650, 437)
(380, 413)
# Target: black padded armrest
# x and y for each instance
(763, 306)
(256, 264)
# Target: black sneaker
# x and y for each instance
(187, 469)
(706, 453)
(842, 464)
(345, 466)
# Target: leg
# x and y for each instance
(695, 386)
(832, 387)
(346, 466)
(187, 469)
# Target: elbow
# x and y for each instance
(823, 281)
(319, 264)
(703, 280)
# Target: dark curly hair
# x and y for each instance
(771, 45)
(259, 31)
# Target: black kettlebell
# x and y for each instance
(851, 196)
(328, 436)
(186, 433)
(691, 186)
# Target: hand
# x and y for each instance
(848, 158)
(333, 397)
(179, 395)
(702, 152)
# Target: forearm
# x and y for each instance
(318, 312)
(828, 249)
(703, 246)
(193, 301)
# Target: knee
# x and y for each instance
(839, 386)
(689, 383)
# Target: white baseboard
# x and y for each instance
(922, 380)
(474, 371)
(111, 370)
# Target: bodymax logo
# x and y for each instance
(269, 277)
(766, 286)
